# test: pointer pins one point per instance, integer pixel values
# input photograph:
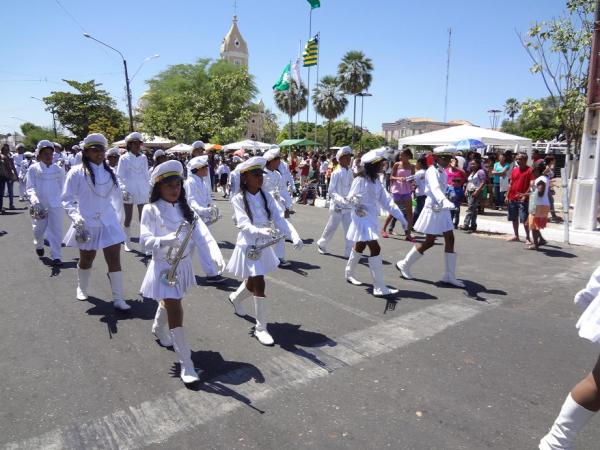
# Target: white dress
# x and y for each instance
(160, 219)
(372, 195)
(275, 184)
(589, 299)
(94, 203)
(134, 177)
(239, 265)
(434, 221)
(198, 196)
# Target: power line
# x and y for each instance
(71, 16)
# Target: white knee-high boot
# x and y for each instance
(160, 328)
(571, 419)
(83, 282)
(188, 372)
(351, 267)
(116, 285)
(236, 298)
(127, 243)
(450, 274)
(260, 330)
(379, 287)
(404, 265)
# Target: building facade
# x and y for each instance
(392, 131)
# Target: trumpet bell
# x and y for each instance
(164, 278)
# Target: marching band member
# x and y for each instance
(339, 187)
(18, 159)
(45, 182)
(166, 223)
(274, 183)
(258, 218)
(198, 148)
(25, 165)
(58, 157)
(134, 180)
(223, 171)
(365, 196)
(199, 198)
(86, 197)
(234, 178)
(112, 158)
(435, 219)
(584, 399)
(158, 157)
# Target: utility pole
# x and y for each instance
(447, 75)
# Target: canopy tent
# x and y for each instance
(180, 148)
(149, 142)
(452, 135)
(213, 147)
(247, 144)
(297, 143)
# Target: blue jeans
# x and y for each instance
(498, 196)
(472, 210)
(9, 187)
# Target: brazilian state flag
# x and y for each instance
(310, 56)
(314, 4)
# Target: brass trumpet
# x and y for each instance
(213, 216)
(38, 212)
(176, 253)
(81, 234)
(254, 251)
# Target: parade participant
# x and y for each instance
(223, 171)
(58, 157)
(420, 184)
(168, 222)
(539, 205)
(286, 174)
(158, 158)
(366, 196)
(45, 182)
(274, 184)
(25, 165)
(86, 197)
(198, 148)
(584, 399)
(199, 198)
(234, 177)
(134, 179)
(72, 155)
(435, 219)
(112, 157)
(259, 219)
(18, 160)
(339, 187)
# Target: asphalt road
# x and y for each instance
(431, 368)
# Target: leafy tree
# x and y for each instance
(511, 108)
(34, 133)
(292, 101)
(270, 126)
(88, 105)
(539, 120)
(354, 77)
(329, 101)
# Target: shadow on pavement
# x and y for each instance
(473, 289)
(556, 252)
(300, 267)
(229, 285)
(140, 309)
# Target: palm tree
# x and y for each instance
(354, 76)
(329, 101)
(512, 108)
(292, 101)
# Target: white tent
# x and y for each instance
(149, 142)
(247, 144)
(180, 148)
(458, 133)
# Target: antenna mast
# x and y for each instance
(447, 74)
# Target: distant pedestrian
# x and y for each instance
(420, 183)
(475, 185)
(518, 202)
(539, 205)
(500, 174)
(8, 175)
(456, 194)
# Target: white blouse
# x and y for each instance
(198, 196)
(45, 184)
(372, 194)
(273, 182)
(133, 173)
(339, 186)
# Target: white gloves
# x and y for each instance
(77, 219)
(168, 240)
(298, 244)
(447, 204)
(264, 232)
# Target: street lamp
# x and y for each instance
(53, 115)
(87, 35)
(142, 64)
(362, 96)
(494, 117)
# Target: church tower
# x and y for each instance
(234, 48)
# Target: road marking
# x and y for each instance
(157, 420)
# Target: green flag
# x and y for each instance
(283, 83)
(314, 4)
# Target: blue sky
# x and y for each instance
(406, 40)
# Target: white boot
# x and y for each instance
(160, 328)
(116, 285)
(450, 274)
(571, 419)
(260, 330)
(351, 267)
(404, 265)
(236, 298)
(83, 281)
(321, 248)
(379, 287)
(188, 372)
(127, 243)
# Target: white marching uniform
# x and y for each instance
(372, 194)
(158, 220)
(19, 160)
(255, 231)
(274, 183)
(134, 177)
(589, 299)
(234, 182)
(25, 165)
(435, 221)
(339, 187)
(44, 187)
(284, 170)
(94, 204)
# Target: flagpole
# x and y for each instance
(309, 67)
(290, 104)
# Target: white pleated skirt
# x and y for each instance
(363, 229)
(242, 267)
(153, 287)
(101, 237)
(431, 222)
(589, 322)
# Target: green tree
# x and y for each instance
(539, 120)
(511, 108)
(354, 77)
(292, 101)
(270, 126)
(88, 105)
(329, 101)
(34, 133)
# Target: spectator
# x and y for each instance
(475, 186)
(455, 194)
(454, 171)
(8, 175)
(323, 165)
(460, 160)
(500, 178)
(401, 189)
(539, 205)
(420, 183)
(518, 190)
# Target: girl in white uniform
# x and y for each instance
(112, 158)
(435, 219)
(88, 198)
(27, 162)
(134, 180)
(45, 182)
(584, 399)
(257, 216)
(161, 219)
(366, 196)
(339, 187)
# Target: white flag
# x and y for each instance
(296, 72)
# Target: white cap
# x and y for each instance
(198, 144)
(95, 139)
(198, 162)
(168, 169)
(19, 146)
(158, 153)
(445, 150)
(272, 153)
(44, 144)
(113, 151)
(76, 147)
(28, 155)
(343, 151)
(373, 156)
(56, 144)
(254, 163)
(135, 136)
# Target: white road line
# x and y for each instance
(157, 420)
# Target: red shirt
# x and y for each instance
(520, 180)
(429, 159)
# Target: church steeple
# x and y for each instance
(234, 48)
